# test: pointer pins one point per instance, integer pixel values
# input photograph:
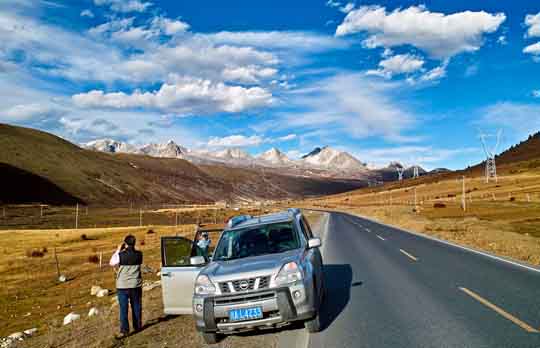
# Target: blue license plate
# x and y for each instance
(245, 313)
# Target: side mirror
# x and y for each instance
(314, 243)
(197, 261)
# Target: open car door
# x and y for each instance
(178, 274)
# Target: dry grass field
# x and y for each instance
(31, 295)
(502, 218)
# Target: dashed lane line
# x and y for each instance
(381, 238)
(499, 310)
(408, 255)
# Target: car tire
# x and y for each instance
(210, 337)
(313, 325)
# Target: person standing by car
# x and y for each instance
(203, 244)
(128, 284)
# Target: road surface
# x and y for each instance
(389, 288)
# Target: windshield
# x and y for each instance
(257, 240)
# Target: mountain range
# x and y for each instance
(325, 160)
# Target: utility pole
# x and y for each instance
(463, 197)
(415, 206)
(77, 216)
(140, 217)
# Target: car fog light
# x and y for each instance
(297, 294)
(198, 308)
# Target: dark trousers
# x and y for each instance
(133, 297)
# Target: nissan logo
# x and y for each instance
(244, 284)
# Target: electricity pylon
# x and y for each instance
(491, 167)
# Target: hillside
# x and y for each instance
(93, 177)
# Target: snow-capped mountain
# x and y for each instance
(111, 146)
(333, 159)
(233, 154)
(275, 157)
(169, 150)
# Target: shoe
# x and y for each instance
(121, 335)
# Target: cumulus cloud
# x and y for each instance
(27, 112)
(532, 22)
(183, 96)
(398, 64)
(533, 49)
(235, 141)
(248, 74)
(170, 26)
(536, 93)
(124, 5)
(440, 35)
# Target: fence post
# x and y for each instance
(57, 264)
(140, 217)
(100, 258)
(77, 216)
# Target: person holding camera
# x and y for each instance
(128, 284)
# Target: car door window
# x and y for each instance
(176, 251)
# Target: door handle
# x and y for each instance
(168, 274)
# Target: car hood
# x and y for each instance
(250, 267)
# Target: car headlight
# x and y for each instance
(204, 286)
(289, 273)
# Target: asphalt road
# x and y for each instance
(388, 288)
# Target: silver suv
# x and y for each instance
(265, 271)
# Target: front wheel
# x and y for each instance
(313, 325)
(210, 337)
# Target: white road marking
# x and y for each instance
(408, 255)
(368, 230)
(381, 238)
(452, 244)
(499, 310)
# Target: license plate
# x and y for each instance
(245, 314)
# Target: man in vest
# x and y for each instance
(128, 284)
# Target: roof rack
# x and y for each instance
(237, 220)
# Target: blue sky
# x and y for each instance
(384, 80)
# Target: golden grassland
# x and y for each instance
(32, 296)
(502, 218)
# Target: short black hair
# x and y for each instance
(130, 240)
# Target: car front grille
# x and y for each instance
(244, 298)
(242, 285)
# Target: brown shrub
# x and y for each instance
(450, 195)
(512, 199)
(150, 231)
(34, 253)
(142, 242)
(84, 236)
(93, 259)
(439, 205)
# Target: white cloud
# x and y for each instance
(435, 74)
(124, 5)
(333, 3)
(347, 8)
(425, 156)
(350, 104)
(398, 64)
(440, 35)
(501, 40)
(517, 119)
(536, 93)
(287, 137)
(248, 74)
(533, 24)
(235, 141)
(170, 26)
(293, 154)
(533, 49)
(27, 112)
(280, 40)
(87, 13)
(183, 96)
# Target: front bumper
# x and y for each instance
(279, 307)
